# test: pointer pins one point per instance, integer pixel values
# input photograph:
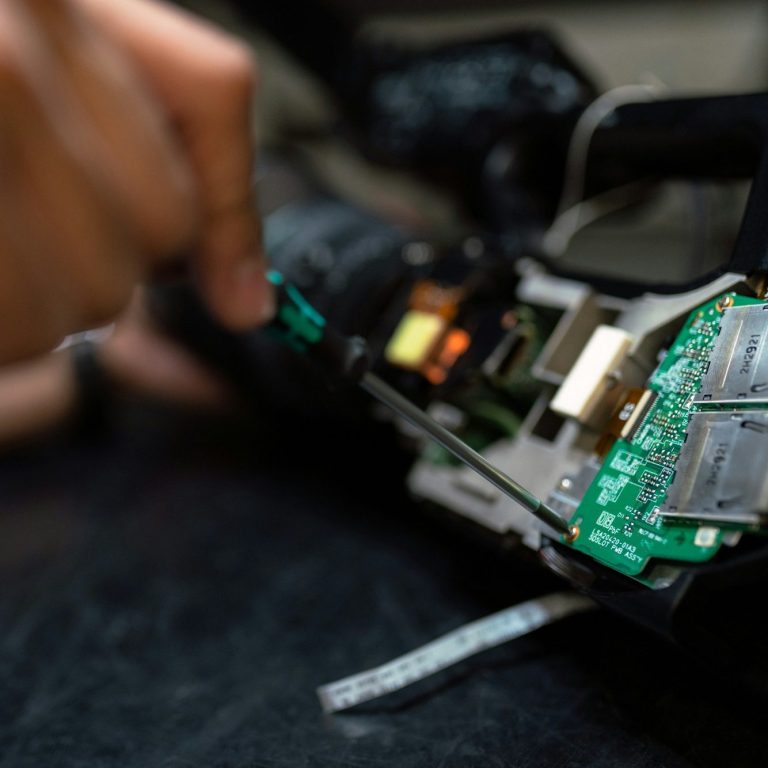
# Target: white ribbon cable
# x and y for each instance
(450, 649)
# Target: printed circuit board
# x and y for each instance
(636, 509)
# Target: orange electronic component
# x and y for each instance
(454, 345)
(427, 296)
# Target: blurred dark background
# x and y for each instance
(175, 584)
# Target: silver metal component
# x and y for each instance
(738, 365)
(405, 408)
(706, 536)
(540, 460)
(450, 649)
(569, 492)
(720, 477)
(652, 318)
(509, 347)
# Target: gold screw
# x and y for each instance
(724, 303)
(573, 534)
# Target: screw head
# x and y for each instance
(573, 534)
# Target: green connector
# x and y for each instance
(297, 322)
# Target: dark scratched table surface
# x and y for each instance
(172, 592)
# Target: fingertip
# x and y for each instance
(242, 298)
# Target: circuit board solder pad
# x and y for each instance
(619, 519)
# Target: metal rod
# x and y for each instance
(405, 408)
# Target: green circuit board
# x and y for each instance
(618, 518)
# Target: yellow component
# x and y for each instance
(415, 338)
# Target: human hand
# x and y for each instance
(132, 358)
(126, 140)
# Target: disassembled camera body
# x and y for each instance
(638, 411)
(647, 432)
